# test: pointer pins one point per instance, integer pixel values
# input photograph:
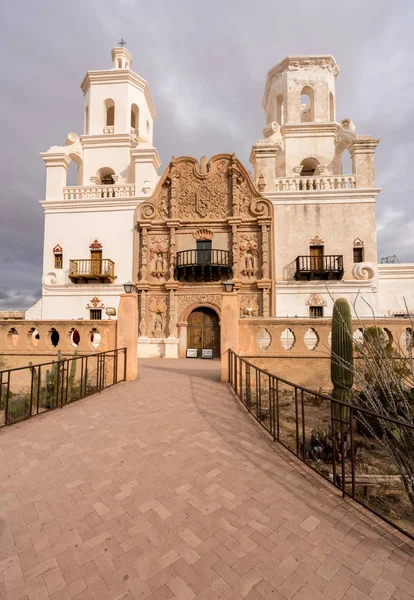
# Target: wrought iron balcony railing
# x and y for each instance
(203, 265)
(92, 269)
(319, 267)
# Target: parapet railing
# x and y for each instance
(312, 184)
(98, 191)
(341, 442)
(34, 389)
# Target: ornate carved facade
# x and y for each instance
(213, 203)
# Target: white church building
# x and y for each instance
(292, 237)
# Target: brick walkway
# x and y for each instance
(164, 488)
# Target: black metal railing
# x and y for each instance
(333, 438)
(324, 267)
(189, 258)
(31, 390)
(203, 264)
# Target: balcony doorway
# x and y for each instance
(203, 331)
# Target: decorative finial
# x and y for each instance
(122, 43)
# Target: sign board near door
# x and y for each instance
(191, 352)
(207, 353)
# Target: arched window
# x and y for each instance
(109, 112)
(309, 166)
(280, 109)
(106, 175)
(86, 124)
(119, 63)
(306, 105)
(331, 107)
(134, 116)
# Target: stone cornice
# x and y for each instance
(396, 271)
(314, 129)
(115, 76)
(108, 140)
(146, 155)
(293, 63)
(352, 195)
(92, 205)
(56, 159)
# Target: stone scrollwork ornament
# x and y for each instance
(364, 270)
(316, 300)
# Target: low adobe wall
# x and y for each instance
(301, 363)
(20, 345)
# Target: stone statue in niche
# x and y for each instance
(249, 253)
(158, 328)
(158, 310)
(159, 265)
(249, 262)
(158, 254)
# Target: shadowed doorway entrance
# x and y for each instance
(203, 331)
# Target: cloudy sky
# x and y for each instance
(206, 64)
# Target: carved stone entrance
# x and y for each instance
(203, 331)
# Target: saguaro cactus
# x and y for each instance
(342, 361)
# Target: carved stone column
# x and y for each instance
(173, 190)
(234, 177)
(235, 251)
(172, 322)
(143, 315)
(144, 254)
(265, 301)
(171, 270)
(265, 252)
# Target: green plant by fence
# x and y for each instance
(28, 391)
(331, 437)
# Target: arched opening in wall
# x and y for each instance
(75, 170)
(119, 63)
(72, 174)
(109, 116)
(309, 166)
(306, 105)
(106, 175)
(263, 339)
(75, 337)
(280, 109)
(346, 162)
(95, 338)
(311, 338)
(86, 123)
(12, 337)
(134, 117)
(287, 338)
(148, 128)
(331, 107)
(54, 337)
(203, 331)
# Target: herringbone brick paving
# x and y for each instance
(165, 489)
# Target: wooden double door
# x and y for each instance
(203, 331)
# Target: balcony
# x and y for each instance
(315, 184)
(85, 270)
(319, 267)
(78, 192)
(203, 265)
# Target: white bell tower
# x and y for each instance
(89, 227)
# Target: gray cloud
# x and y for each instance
(206, 65)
